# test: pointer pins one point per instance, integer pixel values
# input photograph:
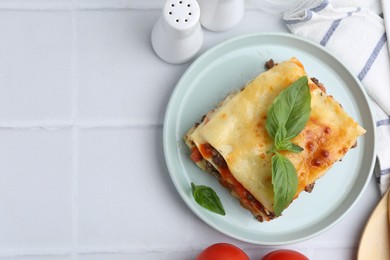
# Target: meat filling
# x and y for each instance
(269, 64)
(319, 84)
(219, 169)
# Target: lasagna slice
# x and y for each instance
(231, 141)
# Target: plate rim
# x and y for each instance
(172, 100)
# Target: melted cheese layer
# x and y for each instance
(237, 130)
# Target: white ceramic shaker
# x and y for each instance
(220, 15)
(177, 35)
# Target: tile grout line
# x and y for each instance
(75, 211)
(81, 125)
(132, 6)
(82, 6)
(75, 132)
(17, 253)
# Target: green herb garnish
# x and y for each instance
(286, 118)
(285, 182)
(207, 198)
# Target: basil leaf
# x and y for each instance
(286, 118)
(288, 146)
(284, 181)
(291, 109)
(294, 148)
(207, 198)
(280, 135)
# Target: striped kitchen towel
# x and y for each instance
(357, 36)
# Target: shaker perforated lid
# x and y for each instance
(181, 14)
(177, 35)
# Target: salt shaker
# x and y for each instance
(177, 35)
(221, 15)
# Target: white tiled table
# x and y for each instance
(82, 172)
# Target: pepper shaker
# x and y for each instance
(177, 35)
(221, 15)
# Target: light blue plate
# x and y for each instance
(229, 66)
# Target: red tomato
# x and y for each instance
(222, 251)
(284, 255)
